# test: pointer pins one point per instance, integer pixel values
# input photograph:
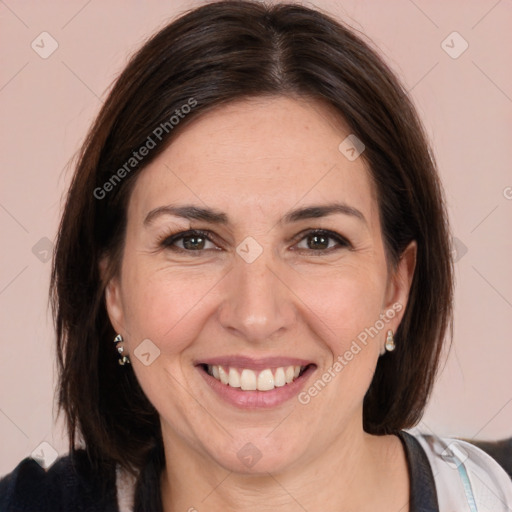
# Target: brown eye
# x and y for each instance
(322, 241)
(194, 242)
(190, 241)
(318, 241)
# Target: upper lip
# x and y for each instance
(253, 364)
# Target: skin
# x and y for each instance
(255, 160)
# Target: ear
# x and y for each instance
(113, 300)
(399, 284)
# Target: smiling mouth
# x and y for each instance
(246, 379)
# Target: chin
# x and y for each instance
(258, 454)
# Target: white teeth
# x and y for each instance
(223, 375)
(249, 380)
(265, 380)
(279, 378)
(234, 378)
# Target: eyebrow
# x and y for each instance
(191, 212)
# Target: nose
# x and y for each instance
(258, 305)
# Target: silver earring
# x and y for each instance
(390, 341)
(122, 359)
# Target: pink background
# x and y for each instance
(466, 104)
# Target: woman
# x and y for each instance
(252, 284)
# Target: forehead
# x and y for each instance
(264, 153)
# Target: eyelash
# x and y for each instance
(168, 241)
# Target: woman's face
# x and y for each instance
(257, 296)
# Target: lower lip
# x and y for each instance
(257, 399)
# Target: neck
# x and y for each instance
(357, 472)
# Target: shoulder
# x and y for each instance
(69, 484)
(465, 474)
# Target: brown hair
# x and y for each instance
(217, 53)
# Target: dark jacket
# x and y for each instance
(69, 485)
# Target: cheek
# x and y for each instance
(344, 304)
(170, 306)
(164, 304)
(353, 340)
